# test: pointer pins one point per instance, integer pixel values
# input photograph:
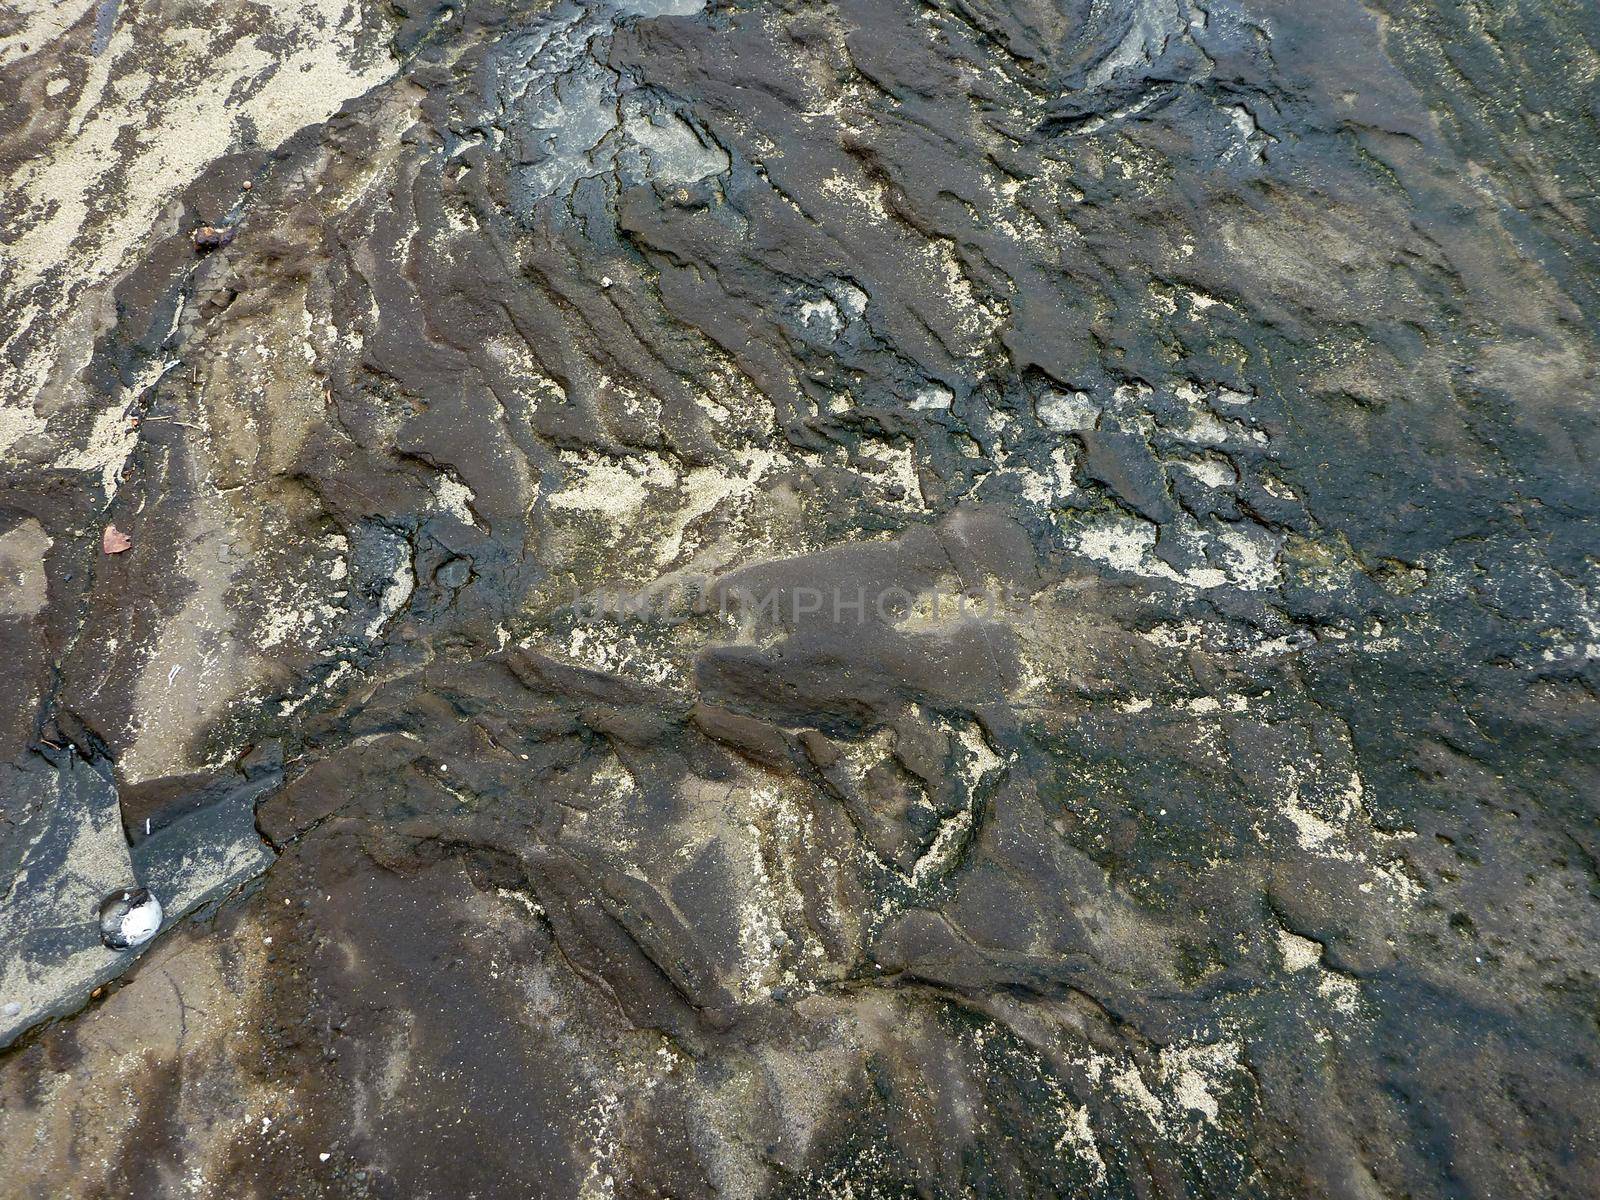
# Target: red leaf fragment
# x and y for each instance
(114, 541)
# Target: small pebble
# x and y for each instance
(12, 1008)
(212, 237)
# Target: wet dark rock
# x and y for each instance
(761, 599)
(453, 573)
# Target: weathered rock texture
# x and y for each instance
(1237, 359)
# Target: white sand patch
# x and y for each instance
(294, 70)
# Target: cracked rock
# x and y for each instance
(759, 599)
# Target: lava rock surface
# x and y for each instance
(754, 599)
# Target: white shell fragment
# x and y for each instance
(129, 917)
